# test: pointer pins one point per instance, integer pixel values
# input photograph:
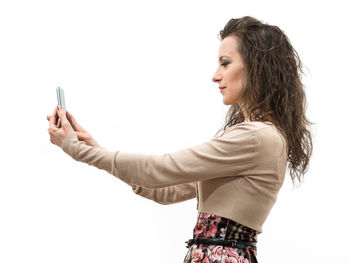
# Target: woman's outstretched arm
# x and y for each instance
(166, 195)
(232, 154)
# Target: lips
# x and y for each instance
(221, 88)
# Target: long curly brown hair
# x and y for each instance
(273, 90)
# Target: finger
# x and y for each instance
(65, 124)
(72, 120)
(62, 115)
(81, 135)
(53, 119)
(76, 126)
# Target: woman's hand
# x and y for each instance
(57, 133)
(82, 134)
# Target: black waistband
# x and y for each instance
(228, 243)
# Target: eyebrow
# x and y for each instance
(220, 59)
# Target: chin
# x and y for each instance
(228, 102)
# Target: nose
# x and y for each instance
(216, 77)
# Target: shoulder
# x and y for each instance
(263, 132)
(269, 138)
(248, 127)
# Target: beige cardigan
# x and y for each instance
(237, 175)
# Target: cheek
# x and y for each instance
(237, 79)
(233, 92)
(235, 82)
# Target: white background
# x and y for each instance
(137, 75)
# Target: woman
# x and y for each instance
(235, 176)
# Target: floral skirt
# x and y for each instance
(212, 226)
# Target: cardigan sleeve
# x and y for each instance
(232, 154)
(168, 195)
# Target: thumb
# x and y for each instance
(76, 126)
(82, 136)
(61, 113)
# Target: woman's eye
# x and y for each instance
(224, 64)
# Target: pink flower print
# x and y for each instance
(215, 218)
(205, 260)
(203, 217)
(199, 231)
(211, 230)
(215, 253)
(242, 260)
(198, 255)
(232, 252)
(230, 260)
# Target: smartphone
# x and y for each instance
(60, 97)
(60, 101)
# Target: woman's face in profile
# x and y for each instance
(230, 73)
